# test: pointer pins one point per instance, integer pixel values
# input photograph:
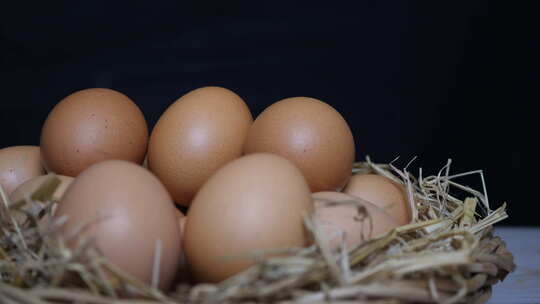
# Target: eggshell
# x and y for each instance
(27, 189)
(126, 210)
(17, 165)
(254, 203)
(311, 134)
(195, 136)
(345, 218)
(90, 126)
(382, 192)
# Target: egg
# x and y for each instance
(17, 165)
(311, 134)
(90, 126)
(343, 220)
(382, 192)
(195, 136)
(28, 188)
(254, 203)
(125, 210)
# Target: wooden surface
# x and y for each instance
(523, 285)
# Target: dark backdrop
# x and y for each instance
(433, 79)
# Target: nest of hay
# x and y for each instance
(448, 254)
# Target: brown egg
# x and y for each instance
(199, 133)
(27, 189)
(311, 134)
(17, 165)
(382, 192)
(254, 203)
(127, 210)
(90, 126)
(345, 218)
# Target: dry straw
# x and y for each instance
(448, 254)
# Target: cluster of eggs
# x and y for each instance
(247, 184)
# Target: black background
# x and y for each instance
(433, 79)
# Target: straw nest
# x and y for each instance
(448, 254)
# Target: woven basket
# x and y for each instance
(448, 254)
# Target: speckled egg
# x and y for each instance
(311, 134)
(195, 136)
(90, 126)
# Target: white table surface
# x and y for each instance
(522, 285)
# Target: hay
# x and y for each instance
(448, 254)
